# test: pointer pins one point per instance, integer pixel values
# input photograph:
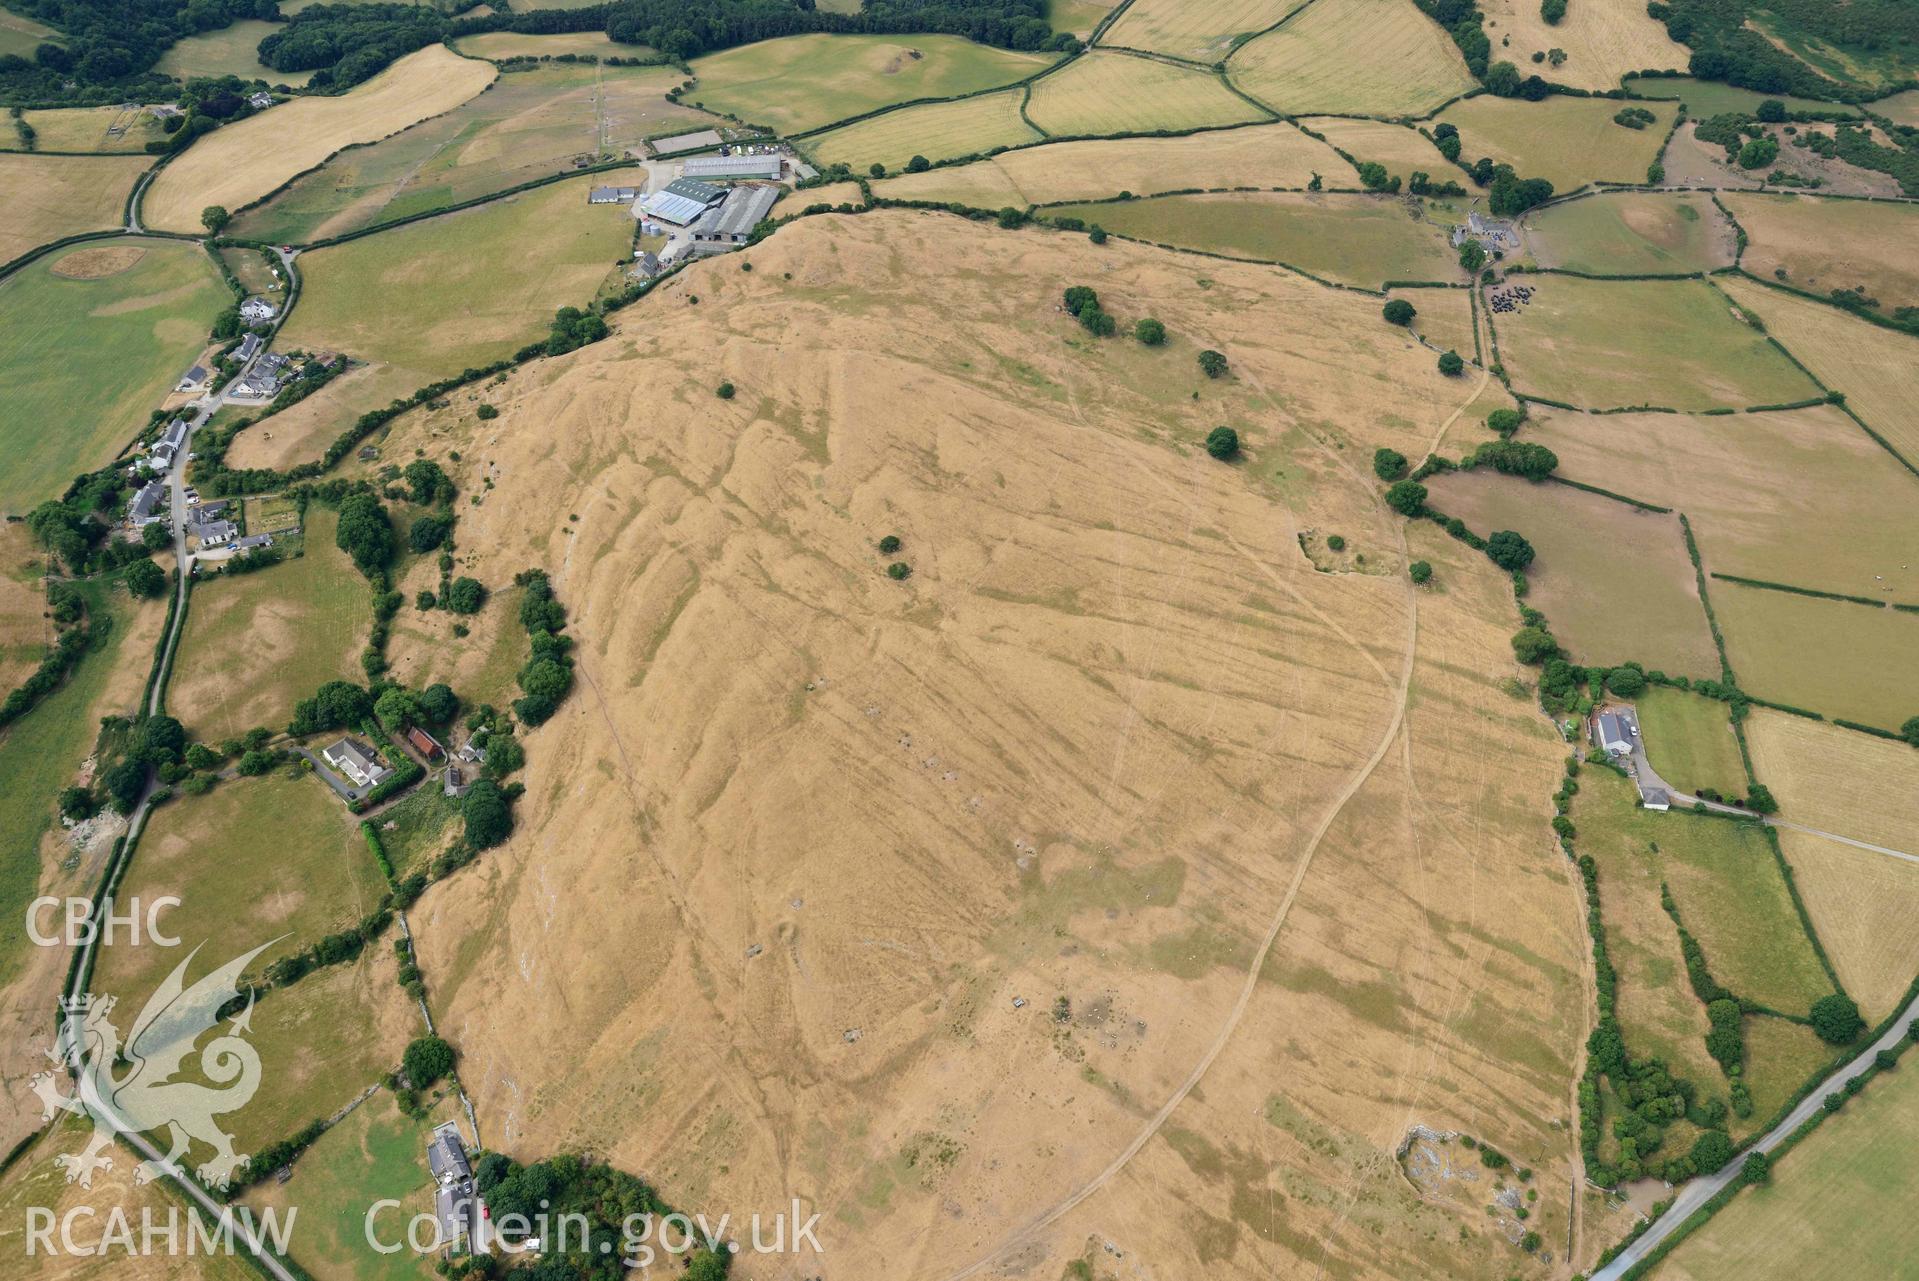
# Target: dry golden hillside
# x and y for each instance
(810, 856)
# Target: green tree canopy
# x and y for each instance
(1399, 312)
(1388, 464)
(1213, 363)
(365, 533)
(1407, 497)
(1836, 1019)
(1509, 550)
(1222, 443)
(426, 1059)
(486, 815)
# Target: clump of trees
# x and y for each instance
(1399, 312)
(573, 328)
(1150, 332)
(1083, 303)
(425, 1060)
(1388, 464)
(1514, 458)
(1836, 1019)
(548, 673)
(1407, 497)
(365, 533)
(1223, 443)
(1212, 364)
(1509, 550)
(1450, 364)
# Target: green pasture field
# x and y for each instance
(257, 643)
(1901, 108)
(1836, 1208)
(40, 752)
(109, 129)
(420, 827)
(1107, 93)
(1690, 742)
(526, 125)
(1831, 657)
(83, 361)
(251, 861)
(1671, 343)
(938, 131)
(1592, 554)
(1197, 30)
(1567, 141)
(1359, 240)
(1631, 233)
(459, 291)
(1841, 525)
(375, 1154)
(1353, 57)
(1732, 899)
(229, 51)
(1705, 98)
(1781, 1056)
(21, 35)
(499, 45)
(798, 83)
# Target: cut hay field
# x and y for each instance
(1064, 530)
(454, 292)
(1403, 150)
(1840, 525)
(257, 643)
(1196, 30)
(243, 162)
(91, 338)
(1862, 903)
(1353, 57)
(1592, 553)
(376, 1154)
(1275, 155)
(1359, 240)
(799, 83)
(1567, 141)
(497, 46)
(1876, 369)
(526, 125)
(1632, 233)
(1690, 742)
(1077, 16)
(25, 631)
(230, 51)
(1104, 93)
(38, 1182)
(1602, 39)
(1838, 780)
(1707, 98)
(938, 131)
(1855, 1169)
(1823, 245)
(110, 129)
(1672, 343)
(43, 198)
(1835, 658)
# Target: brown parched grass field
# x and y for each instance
(1196, 30)
(1115, 740)
(1838, 780)
(1823, 245)
(239, 164)
(1567, 141)
(1602, 40)
(1859, 901)
(43, 198)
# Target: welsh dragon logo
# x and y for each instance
(131, 1088)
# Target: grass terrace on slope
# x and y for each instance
(1359, 240)
(802, 82)
(91, 339)
(43, 198)
(1353, 57)
(1274, 155)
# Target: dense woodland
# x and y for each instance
(111, 43)
(685, 28)
(1725, 48)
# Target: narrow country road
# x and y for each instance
(1702, 1190)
